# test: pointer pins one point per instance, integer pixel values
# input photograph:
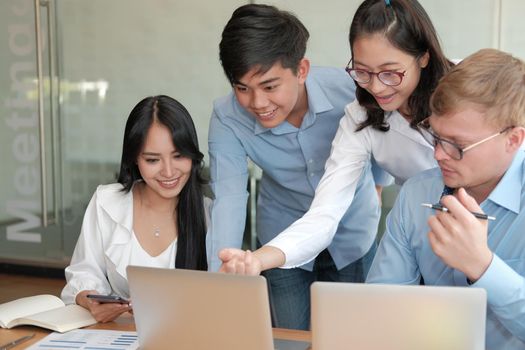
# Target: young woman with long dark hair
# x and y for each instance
(154, 216)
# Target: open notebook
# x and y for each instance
(194, 310)
(378, 317)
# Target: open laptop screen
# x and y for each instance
(373, 317)
(193, 310)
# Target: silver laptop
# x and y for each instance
(184, 309)
(373, 317)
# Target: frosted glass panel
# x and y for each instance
(108, 55)
(117, 52)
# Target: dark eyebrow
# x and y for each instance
(238, 83)
(267, 81)
(383, 65)
(155, 154)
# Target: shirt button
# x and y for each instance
(312, 174)
(310, 161)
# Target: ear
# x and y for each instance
(302, 69)
(423, 60)
(515, 138)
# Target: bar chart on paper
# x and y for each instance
(89, 340)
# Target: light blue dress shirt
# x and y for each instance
(292, 160)
(405, 255)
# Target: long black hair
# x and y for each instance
(191, 224)
(407, 26)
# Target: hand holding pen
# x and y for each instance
(458, 238)
(440, 207)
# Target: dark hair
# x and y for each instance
(407, 26)
(260, 36)
(191, 224)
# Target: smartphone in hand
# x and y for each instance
(108, 298)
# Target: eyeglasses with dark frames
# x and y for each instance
(452, 149)
(387, 77)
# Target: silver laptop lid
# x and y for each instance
(184, 309)
(373, 317)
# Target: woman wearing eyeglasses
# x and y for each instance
(396, 63)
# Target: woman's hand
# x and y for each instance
(247, 263)
(239, 262)
(102, 312)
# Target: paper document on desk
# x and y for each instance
(88, 339)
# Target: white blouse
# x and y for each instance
(401, 151)
(107, 245)
(139, 257)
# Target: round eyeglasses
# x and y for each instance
(452, 149)
(363, 76)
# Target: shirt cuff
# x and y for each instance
(500, 281)
(291, 260)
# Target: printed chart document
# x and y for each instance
(89, 339)
(46, 311)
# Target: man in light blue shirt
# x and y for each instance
(283, 115)
(477, 127)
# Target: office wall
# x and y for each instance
(463, 26)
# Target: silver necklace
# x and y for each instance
(156, 233)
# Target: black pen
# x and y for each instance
(16, 342)
(442, 208)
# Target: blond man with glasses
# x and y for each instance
(477, 127)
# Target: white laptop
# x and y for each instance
(393, 317)
(197, 310)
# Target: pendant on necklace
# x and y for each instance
(156, 233)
